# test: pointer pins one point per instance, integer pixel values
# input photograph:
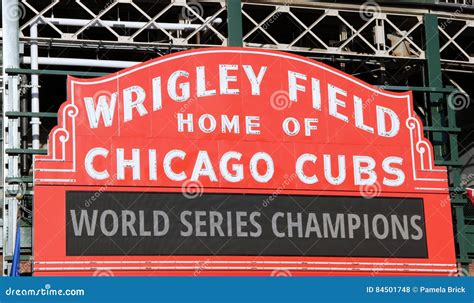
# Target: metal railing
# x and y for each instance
(457, 2)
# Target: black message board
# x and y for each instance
(137, 223)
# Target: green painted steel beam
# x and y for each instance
(24, 179)
(21, 71)
(27, 193)
(433, 61)
(234, 22)
(22, 257)
(17, 151)
(448, 163)
(442, 129)
(30, 115)
(461, 236)
(418, 88)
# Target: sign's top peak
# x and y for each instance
(235, 52)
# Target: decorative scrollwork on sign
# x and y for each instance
(62, 141)
(423, 158)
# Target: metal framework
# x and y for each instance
(357, 30)
(80, 35)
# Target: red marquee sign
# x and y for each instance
(238, 161)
